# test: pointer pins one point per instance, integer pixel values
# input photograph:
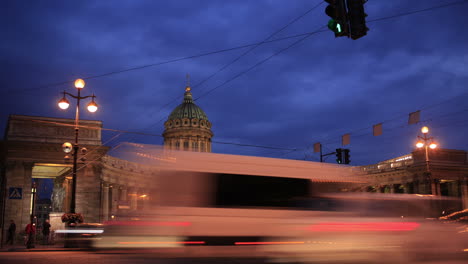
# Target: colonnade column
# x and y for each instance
(115, 199)
(133, 199)
(105, 201)
(123, 193)
(146, 201)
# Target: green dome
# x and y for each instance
(188, 109)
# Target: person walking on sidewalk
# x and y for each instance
(11, 233)
(31, 233)
(46, 231)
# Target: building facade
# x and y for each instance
(444, 173)
(32, 149)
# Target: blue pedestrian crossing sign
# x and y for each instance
(15, 193)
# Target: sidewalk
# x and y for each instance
(38, 248)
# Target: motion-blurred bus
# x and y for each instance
(213, 204)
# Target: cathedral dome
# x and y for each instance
(188, 109)
(187, 127)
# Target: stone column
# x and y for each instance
(454, 189)
(133, 199)
(115, 199)
(146, 201)
(123, 193)
(105, 201)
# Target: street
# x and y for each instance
(82, 257)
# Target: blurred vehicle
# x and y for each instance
(211, 204)
(82, 235)
(459, 216)
(381, 228)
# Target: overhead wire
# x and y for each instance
(237, 59)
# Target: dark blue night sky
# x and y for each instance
(315, 91)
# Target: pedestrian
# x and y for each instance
(11, 233)
(46, 231)
(31, 233)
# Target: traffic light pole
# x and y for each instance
(324, 155)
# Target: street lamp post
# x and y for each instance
(92, 107)
(427, 142)
(32, 235)
(33, 202)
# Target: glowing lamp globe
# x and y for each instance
(433, 145)
(419, 144)
(92, 107)
(425, 130)
(79, 83)
(63, 103)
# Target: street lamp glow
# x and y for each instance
(433, 145)
(92, 107)
(425, 130)
(419, 144)
(79, 83)
(63, 103)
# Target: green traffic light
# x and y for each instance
(334, 26)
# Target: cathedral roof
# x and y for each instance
(188, 109)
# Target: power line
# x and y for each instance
(13, 91)
(262, 61)
(238, 58)
(260, 43)
(418, 11)
(159, 135)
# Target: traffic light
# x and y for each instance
(339, 156)
(357, 18)
(346, 156)
(338, 23)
